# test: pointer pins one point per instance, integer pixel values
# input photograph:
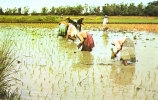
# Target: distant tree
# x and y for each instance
(124, 9)
(63, 11)
(91, 10)
(117, 9)
(97, 10)
(107, 10)
(132, 10)
(151, 9)
(59, 10)
(52, 11)
(1, 11)
(34, 12)
(19, 11)
(26, 10)
(14, 11)
(155, 3)
(79, 10)
(86, 9)
(44, 11)
(68, 10)
(73, 11)
(8, 11)
(140, 9)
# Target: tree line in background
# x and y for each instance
(111, 10)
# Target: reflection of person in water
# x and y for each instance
(86, 40)
(85, 59)
(126, 46)
(122, 75)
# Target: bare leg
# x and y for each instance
(125, 62)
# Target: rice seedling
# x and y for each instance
(38, 96)
(148, 75)
(41, 89)
(59, 83)
(154, 76)
(60, 97)
(88, 97)
(52, 87)
(30, 93)
(146, 96)
(65, 89)
(75, 91)
(7, 67)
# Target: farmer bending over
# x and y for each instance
(86, 40)
(71, 32)
(62, 29)
(126, 46)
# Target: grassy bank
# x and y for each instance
(7, 71)
(88, 19)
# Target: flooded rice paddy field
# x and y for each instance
(52, 68)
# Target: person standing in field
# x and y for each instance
(105, 21)
(80, 22)
(126, 46)
(86, 40)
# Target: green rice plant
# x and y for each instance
(7, 68)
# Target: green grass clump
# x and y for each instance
(7, 59)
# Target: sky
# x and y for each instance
(38, 4)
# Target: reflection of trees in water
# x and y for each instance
(122, 75)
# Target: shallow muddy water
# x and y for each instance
(52, 68)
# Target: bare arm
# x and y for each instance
(116, 52)
(67, 37)
(81, 39)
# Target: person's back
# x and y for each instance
(62, 29)
(71, 32)
(86, 40)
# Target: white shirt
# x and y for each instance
(105, 21)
